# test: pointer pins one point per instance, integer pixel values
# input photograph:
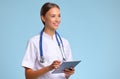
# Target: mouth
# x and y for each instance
(56, 24)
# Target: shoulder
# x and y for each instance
(34, 39)
(65, 41)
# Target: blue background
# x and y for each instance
(91, 26)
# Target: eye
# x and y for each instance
(59, 15)
(53, 16)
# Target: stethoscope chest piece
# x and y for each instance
(42, 60)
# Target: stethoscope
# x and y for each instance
(60, 44)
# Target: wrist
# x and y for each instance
(50, 68)
(66, 76)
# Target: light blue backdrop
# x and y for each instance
(91, 26)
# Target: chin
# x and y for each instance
(56, 27)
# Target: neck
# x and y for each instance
(50, 32)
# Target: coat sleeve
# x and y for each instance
(30, 55)
(68, 51)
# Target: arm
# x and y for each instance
(31, 74)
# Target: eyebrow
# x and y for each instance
(54, 14)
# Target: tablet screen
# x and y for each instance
(64, 65)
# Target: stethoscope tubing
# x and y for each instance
(59, 41)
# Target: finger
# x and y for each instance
(72, 69)
(69, 72)
(57, 61)
(56, 66)
(66, 70)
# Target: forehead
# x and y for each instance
(54, 10)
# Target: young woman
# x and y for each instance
(47, 50)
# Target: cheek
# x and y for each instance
(50, 21)
(47, 21)
(60, 20)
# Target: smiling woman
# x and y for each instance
(47, 50)
(51, 19)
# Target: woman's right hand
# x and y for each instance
(55, 65)
(31, 74)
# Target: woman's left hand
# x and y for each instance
(69, 72)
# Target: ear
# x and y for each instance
(43, 18)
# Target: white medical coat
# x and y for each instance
(51, 52)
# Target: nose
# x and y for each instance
(57, 19)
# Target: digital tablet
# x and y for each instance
(66, 64)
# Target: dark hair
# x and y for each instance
(46, 7)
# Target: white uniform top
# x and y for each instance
(51, 52)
